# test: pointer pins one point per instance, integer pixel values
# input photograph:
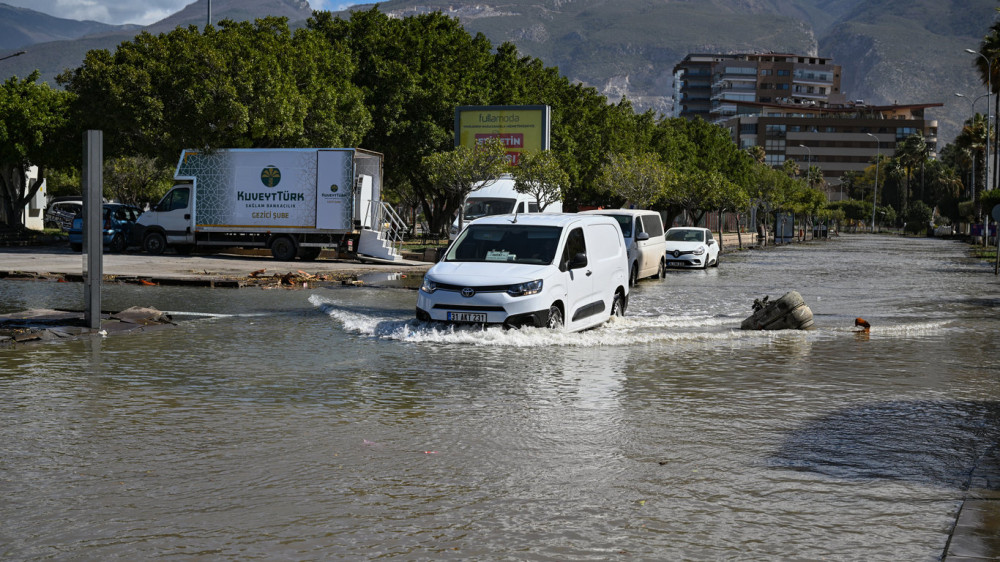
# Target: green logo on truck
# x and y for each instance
(270, 176)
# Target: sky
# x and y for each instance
(129, 11)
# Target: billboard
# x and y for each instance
(520, 127)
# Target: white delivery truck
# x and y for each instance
(500, 198)
(294, 202)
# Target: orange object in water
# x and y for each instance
(863, 324)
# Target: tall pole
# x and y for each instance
(878, 160)
(989, 88)
(209, 12)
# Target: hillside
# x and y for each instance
(910, 51)
(20, 27)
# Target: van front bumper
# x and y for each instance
(486, 308)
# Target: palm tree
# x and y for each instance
(912, 152)
(990, 74)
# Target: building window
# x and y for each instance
(765, 72)
(783, 73)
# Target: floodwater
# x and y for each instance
(328, 424)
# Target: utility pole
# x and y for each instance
(209, 12)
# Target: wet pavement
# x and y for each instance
(976, 535)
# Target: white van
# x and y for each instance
(500, 198)
(647, 247)
(562, 271)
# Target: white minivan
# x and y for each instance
(557, 270)
(647, 247)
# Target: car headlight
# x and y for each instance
(524, 289)
(699, 251)
(428, 286)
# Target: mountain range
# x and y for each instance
(891, 51)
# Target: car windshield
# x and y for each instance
(685, 235)
(482, 207)
(508, 243)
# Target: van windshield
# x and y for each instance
(477, 207)
(507, 243)
(624, 221)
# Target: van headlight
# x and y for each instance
(699, 251)
(524, 289)
(428, 286)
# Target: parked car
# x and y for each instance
(61, 211)
(690, 246)
(119, 224)
(564, 271)
(643, 233)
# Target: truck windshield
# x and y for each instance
(508, 243)
(477, 207)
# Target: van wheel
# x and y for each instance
(633, 275)
(283, 249)
(555, 317)
(662, 273)
(154, 243)
(618, 305)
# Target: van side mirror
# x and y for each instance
(578, 261)
(642, 236)
(712, 241)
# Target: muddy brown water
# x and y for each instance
(328, 423)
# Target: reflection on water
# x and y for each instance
(329, 423)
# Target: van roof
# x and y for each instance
(545, 219)
(632, 212)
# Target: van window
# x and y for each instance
(575, 244)
(533, 207)
(653, 225)
(509, 243)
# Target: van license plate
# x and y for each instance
(467, 317)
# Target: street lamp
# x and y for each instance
(972, 103)
(878, 160)
(989, 88)
(19, 53)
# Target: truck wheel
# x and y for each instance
(283, 249)
(117, 244)
(154, 243)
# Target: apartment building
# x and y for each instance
(792, 106)
(709, 85)
(836, 137)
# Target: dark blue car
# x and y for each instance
(119, 222)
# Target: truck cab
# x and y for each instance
(168, 222)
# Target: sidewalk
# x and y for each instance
(976, 535)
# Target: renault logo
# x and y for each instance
(677, 253)
(468, 292)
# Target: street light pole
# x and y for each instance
(19, 53)
(878, 160)
(989, 88)
(972, 107)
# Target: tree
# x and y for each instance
(911, 153)
(918, 217)
(640, 180)
(241, 85)
(135, 180)
(34, 131)
(458, 173)
(989, 72)
(973, 139)
(540, 175)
